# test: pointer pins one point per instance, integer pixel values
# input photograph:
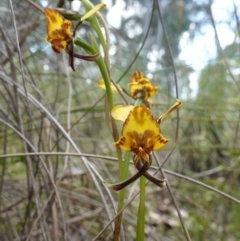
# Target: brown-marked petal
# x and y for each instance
(141, 87)
(58, 30)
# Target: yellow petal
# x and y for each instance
(140, 119)
(136, 76)
(101, 84)
(177, 104)
(124, 143)
(58, 45)
(157, 141)
(120, 112)
(58, 30)
(93, 10)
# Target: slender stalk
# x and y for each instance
(94, 49)
(101, 64)
(123, 170)
(141, 211)
(94, 23)
(121, 196)
(107, 81)
(83, 44)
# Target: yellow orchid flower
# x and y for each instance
(141, 87)
(141, 134)
(58, 30)
(101, 84)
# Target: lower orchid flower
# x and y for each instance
(141, 134)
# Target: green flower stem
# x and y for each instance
(94, 23)
(103, 69)
(107, 81)
(141, 210)
(100, 35)
(104, 72)
(106, 50)
(84, 44)
(124, 172)
(141, 207)
(121, 196)
(119, 155)
(93, 49)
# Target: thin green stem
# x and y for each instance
(141, 211)
(124, 173)
(121, 196)
(107, 81)
(93, 49)
(100, 62)
(107, 42)
(84, 44)
(94, 23)
(103, 70)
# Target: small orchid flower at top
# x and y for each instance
(141, 87)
